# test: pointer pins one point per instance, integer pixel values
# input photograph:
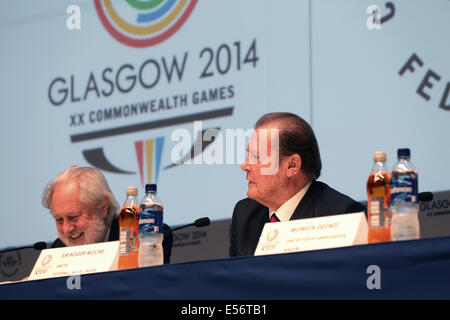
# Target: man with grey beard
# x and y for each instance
(85, 210)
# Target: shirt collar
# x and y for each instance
(285, 212)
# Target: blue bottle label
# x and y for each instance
(151, 221)
(404, 187)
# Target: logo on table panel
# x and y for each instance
(143, 23)
(46, 260)
(272, 235)
(10, 263)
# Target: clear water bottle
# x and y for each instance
(150, 229)
(404, 198)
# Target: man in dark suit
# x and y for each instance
(85, 210)
(282, 186)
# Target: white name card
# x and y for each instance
(68, 261)
(313, 234)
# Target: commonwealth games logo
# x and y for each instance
(143, 23)
(148, 154)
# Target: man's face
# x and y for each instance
(77, 223)
(265, 173)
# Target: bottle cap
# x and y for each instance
(150, 187)
(132, 191)
(403, 152)
(379, 156)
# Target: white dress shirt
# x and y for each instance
(284, 213)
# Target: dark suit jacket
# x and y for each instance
(114, 236)
(249, 216)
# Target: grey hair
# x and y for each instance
(93, 188)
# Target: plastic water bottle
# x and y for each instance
(378, 200)
(150, 229)
(404, 198)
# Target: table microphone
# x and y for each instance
(200, 222)
(41, 245)
(425, 196)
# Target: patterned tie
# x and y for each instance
(274, 218)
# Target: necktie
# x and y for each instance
(274, 218)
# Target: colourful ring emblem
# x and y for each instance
(155, 20)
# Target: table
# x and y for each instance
(416, 269)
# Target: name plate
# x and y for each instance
(68, 261)
(313, 234)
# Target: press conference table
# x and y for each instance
(417, 269)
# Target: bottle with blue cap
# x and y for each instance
(151, 232)
(404, 198)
